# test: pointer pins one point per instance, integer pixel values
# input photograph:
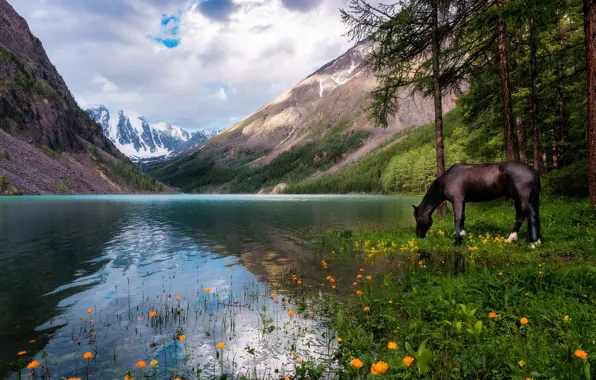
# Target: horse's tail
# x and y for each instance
(535, 200)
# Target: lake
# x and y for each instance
(126, 277)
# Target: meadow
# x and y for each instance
(369, 303)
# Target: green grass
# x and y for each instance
(124, 175)
(433, 298)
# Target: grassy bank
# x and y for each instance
(483, 310)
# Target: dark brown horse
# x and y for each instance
(463, 183)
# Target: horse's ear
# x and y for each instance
(415, 208)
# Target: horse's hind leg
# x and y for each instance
(521, 210)
(533, 226)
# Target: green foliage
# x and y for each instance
(406, 164)
(126, 174)
(39, 86)
(436, 301)
(3, 182)
(198, 171)
(571, 181)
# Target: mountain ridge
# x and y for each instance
(141, 141)
(48, 144)
(319, 123)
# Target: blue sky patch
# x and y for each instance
(169, 34)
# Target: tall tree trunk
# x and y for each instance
(438, 98)
(537, 151)
(505, 89)
(559, 134)
(521, 140)
(590, 42)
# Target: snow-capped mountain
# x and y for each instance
(139, 140)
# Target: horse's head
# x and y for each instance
(423, 222)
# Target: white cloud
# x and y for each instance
(106, 56)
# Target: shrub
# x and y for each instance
(571, 181)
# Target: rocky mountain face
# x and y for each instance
(330, 101)
(48, 144)
(139, 140)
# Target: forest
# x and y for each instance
(521, 71)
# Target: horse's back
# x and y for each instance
(485, 182)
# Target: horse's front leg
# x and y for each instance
(459, 211)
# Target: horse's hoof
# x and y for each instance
(511, 238)
(536, 244)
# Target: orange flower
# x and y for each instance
(492, 315)
(354, 283)
(221, 345)
(332, 280)
(299, 282)
(361, 269)
(299, 361)
(356, 363)
(141, 364)
(153, 314)
(523, 321)
(339, 340)
(392, 346)
(126, 377)
(89, 310)
(34, 364)
(379, 367)
(273, 295)
(358, 292)
(21, 353)
(87, 355)
(333, 287)
(369, 277)
(367, 309)
(359, 276)
(177, 298)
(581, 354)
(177, 378)
(408, 360)
(182, 337)
(291, 313)
(207, 289)
(328, 278)
(263, 294)
(74, 378)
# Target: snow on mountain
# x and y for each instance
(137, 139)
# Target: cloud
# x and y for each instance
(301, 5)
(198, 64)
(219, 10)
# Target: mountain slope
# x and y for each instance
(318, 125)
(139, 140)
(48, 144)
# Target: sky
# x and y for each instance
(200, 64)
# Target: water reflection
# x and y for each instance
(123, 255)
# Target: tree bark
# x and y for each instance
(590, 42)
(537, 151)
(438, 97)
(505, 90)
(521, 140)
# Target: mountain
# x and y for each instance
(317, 127)
(48, 145)
(140, 141)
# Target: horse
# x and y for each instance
(464, 183)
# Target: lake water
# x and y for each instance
(126, 256)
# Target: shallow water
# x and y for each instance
(124, 256)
